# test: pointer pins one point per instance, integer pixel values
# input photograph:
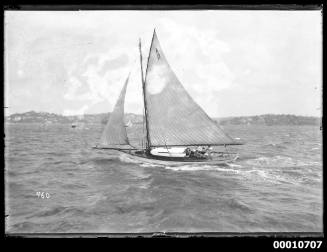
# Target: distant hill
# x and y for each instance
(44, 117)
(268, 119)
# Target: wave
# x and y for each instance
(92, 200)
(126, 159)
(239, 205)
(202, 168)
(234, 165)
(12, 173)
(56, 211)
(74, 186)
(150, 165)
(20, 173)
(278, 161)
(277, 145)
(48, 212)
(63, 162)
(278, 176)
(258, 173)
(102, 160)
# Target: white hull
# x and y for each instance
(169, 152)
(153, 161)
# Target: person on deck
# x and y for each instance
(187, 152)
(192, 153)
(199, 152)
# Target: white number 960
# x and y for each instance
(43, 195)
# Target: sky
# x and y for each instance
(233, 63)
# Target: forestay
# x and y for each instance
(174, 118)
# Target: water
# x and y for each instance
(275, 186)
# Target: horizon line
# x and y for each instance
(142, 115)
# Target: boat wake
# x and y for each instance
(272, 170)
(278, 177)
(278, 161)
(126, 159)
(258, 173)
(221, 168)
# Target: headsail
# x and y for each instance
(115, 135)
(174, 118)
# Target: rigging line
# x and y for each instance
(148, 143)
(126, 85)
(143, 138)
(167, 147)
(143, 126)
(142, 80)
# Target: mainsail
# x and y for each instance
(174, 118)
(114, 134)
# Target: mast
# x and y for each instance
(147, 143)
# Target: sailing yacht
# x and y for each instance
(177, 129)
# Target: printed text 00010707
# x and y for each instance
(297, 244)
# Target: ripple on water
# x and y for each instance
(273, 186)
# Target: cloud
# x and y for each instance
(197, 58)
(80, 111)
(103, 76)
(114, 64)
(78, 61)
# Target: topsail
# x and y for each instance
(174, 118)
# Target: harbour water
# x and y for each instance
(274, 186)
